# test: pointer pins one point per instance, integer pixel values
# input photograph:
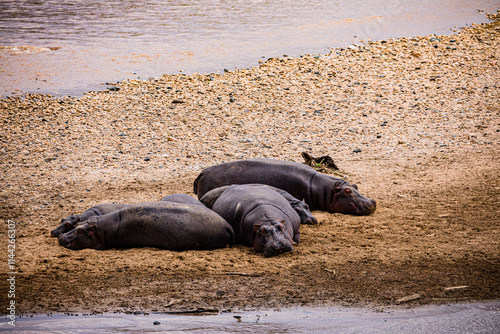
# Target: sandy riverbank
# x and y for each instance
(423, 112)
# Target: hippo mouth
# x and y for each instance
(277, 248)
(65, 243)
(366, 209)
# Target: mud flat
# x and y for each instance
(415, 122)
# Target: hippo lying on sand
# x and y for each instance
(300, 207)
(320, 191)
(69, 223)
(165, 225)
(260, 217)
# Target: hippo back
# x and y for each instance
(292, 177)
(181, 198)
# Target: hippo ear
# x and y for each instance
(92, 229)
(256, 227)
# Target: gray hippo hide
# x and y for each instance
(300, 207)
(260, 217)
(164, 225)
(319, 191)
(69, 223)
(181, 198)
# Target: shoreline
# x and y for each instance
(401, 117)
(45, 65)
(374, 308)
(417, 319)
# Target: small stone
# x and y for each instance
(147, 159)
(357, 150)
(408, 298)
(156, 323)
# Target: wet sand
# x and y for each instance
(413, 121)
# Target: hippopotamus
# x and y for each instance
(260, 217)
(164, 225)
(300, 207)
(181, 198)
(319, 191)
(69, 223)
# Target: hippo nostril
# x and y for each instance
(371, 208)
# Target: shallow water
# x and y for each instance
(456, 319)
(69, 47)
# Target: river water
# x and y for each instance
(65, 47)
(447, 319)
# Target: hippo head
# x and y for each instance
(83, 236)
(347, 199)
(67, 224)
(271, 237)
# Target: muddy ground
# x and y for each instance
(427, 123)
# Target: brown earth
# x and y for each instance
(424, 113)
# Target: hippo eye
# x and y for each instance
(348, 191)
(79, 231)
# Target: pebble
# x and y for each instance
(334, 104)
